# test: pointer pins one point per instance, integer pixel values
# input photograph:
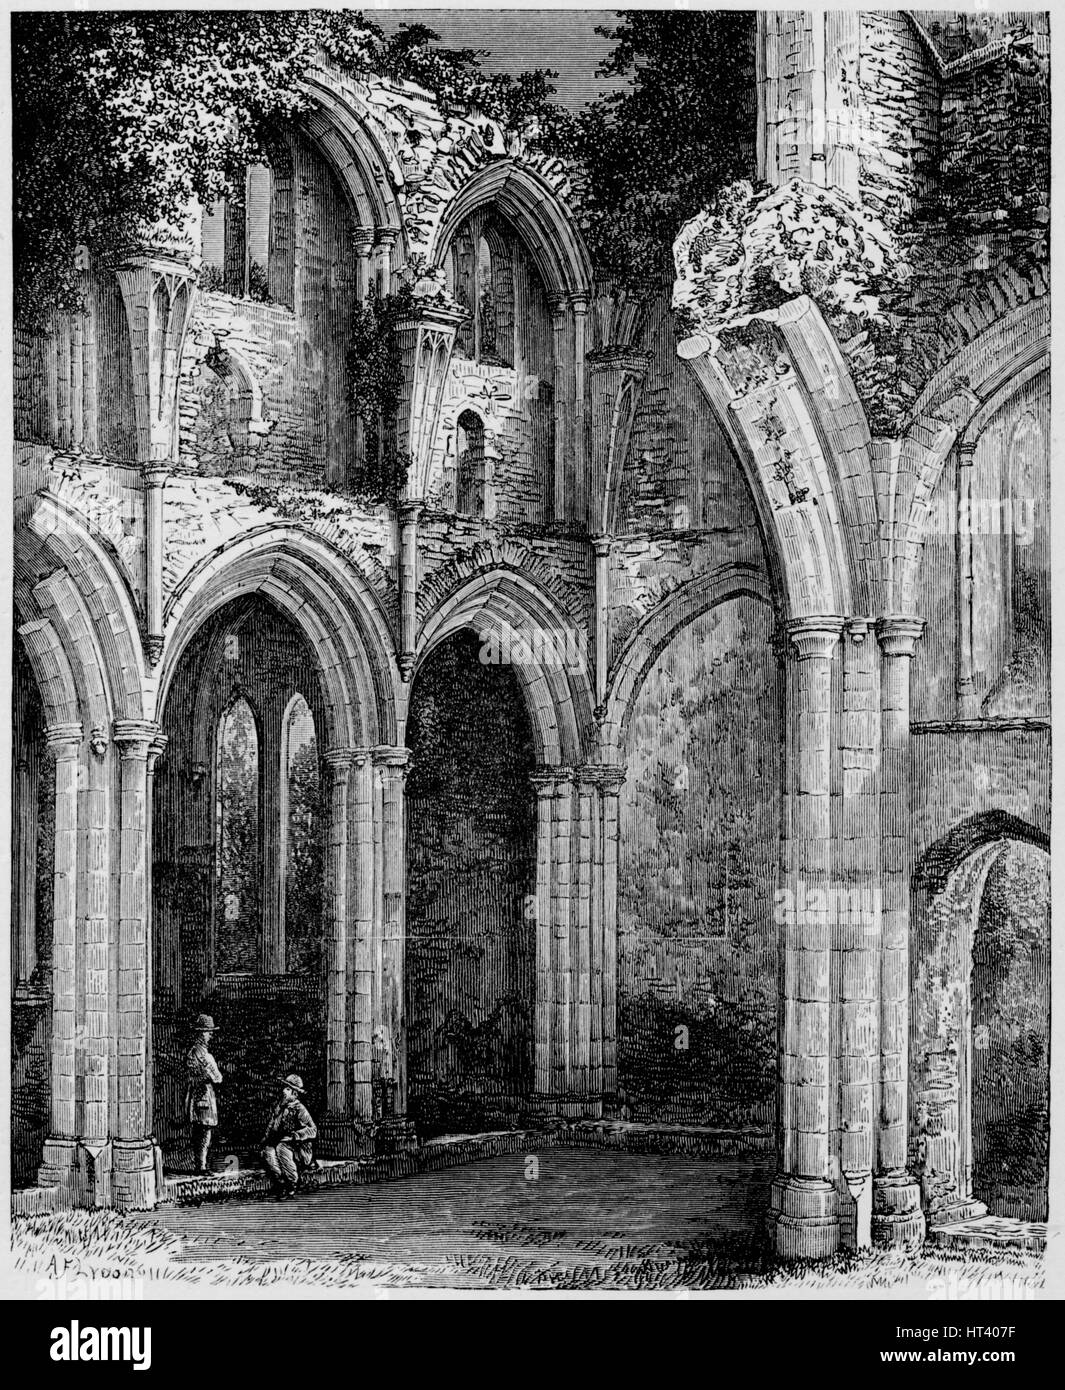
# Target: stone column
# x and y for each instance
(154, 482)
(968, 706)
(94, 963)
(583, 1082)
(856, 927)
(561, 908)
(133, 1160)
(409, 512)
(382, 253)
(545, 785)
(156, 752)
(560, 317)
(897, 1215)
(338, 762)
(598, 787)
(804, 1212)
(601, 549)
(361, 957)
(364, 244)
(579, 306)
(59, 1156)
(391, 768)
(611, 780)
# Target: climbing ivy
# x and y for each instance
(375, 367)
(122, 119)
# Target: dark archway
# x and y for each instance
(471, 876)
(980, 1055)
(229, 828)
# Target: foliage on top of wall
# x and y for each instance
(122, 120)
(651, 156)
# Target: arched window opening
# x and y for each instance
(238, 840)
(480, 276)
(241, 238)
(301, 843)
(469, 465)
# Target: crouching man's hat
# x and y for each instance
(296, 1082)
(203, 1023)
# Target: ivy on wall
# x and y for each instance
(375, 367)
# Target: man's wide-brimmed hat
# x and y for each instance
(296, 1082)
(203, 1023)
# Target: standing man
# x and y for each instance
(289, 1135)
(201, 1107)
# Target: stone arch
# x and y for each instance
(542, 221)
(949, 888)
(657, 630)
(553, 675)
(358, 150)
(329, 602)
(994, 354)
(80, 625)
(782, 392)
(941, 858)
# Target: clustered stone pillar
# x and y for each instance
(575, 1015)
(897, 1215)
(59, 1157)
(100, 1150)
(338, 762)
(804, 1211)
(856, 928)
(133, 1156)
(389, 1042)
(361, 959)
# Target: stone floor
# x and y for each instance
(991, 1233)
(502, 1220)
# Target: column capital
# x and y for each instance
(134, 736)
(63, 736)
(155, 473)
(813, 636)
(386, 756)
(608, 777)
(579, 303)
(339, 760)
(898, 636)
(386, 236)
(966, 450)
(558, 304)
(601, 545)
(156, 750)
(857, 630)
(364, 240)
(409, 510)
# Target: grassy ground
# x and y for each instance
(586, 1221)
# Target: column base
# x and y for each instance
(961, 1209)
(565, 1107)
(136, 1174)
(58, 1168)
(803, 1219)
(344, 1138)
(898, 1221)
(395, 1135)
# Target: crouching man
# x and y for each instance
(287, 1144)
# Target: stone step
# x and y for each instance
(991, 1233)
